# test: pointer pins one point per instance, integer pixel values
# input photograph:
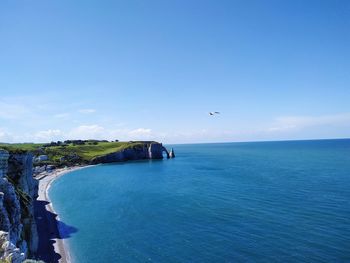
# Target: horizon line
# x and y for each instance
(215, 142)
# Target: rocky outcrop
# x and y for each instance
(172, 153)
(18, 192)
(20, 172)
(151, 150)
(11, 211)
(155, 151)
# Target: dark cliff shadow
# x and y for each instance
(48, 231)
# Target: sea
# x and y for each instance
(285, 201)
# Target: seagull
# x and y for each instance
(213, 113)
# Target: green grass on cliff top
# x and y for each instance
(86, 152)
(20, 146)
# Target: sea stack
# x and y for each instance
(172, 153)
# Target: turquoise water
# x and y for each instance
(230, 202)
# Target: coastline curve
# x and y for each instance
(60, 250)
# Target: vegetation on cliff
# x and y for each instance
(72, 152)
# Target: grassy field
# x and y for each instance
(71, 152)
(20, 146)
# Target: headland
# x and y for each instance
(31, 228)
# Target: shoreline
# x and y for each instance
(45, 180)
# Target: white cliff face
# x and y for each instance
(9, 206)
(20, 171)
(152, 150)
(20, 168)
(4, 218)
(18, 192)
(155, 151)
(4, 155)
(10, 203)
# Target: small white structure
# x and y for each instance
(49, 168)
(42, 158)
(38, 169)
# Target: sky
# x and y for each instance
(152, 70)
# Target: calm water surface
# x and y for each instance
(231, 202)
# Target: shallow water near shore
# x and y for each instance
(229, 202)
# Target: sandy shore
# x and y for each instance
(45, 181)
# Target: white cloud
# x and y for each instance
(286, 127)
(98, 132)
(83, 132)
(5, 136)
(87, 132)
(140, 134)
(87, 111)
(294, 123)
(48, 135)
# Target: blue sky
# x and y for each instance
(133, 70)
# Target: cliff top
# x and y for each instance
(71, 151)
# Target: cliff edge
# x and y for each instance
(18, 192)
(150, 151)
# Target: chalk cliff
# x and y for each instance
(172, 153)
(152, 150)
(18, 192)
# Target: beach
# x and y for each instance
(51, 233)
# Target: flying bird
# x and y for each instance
(213, 113)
